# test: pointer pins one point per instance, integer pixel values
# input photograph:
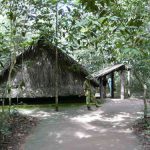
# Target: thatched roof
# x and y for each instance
(42, 44)
(108, 70)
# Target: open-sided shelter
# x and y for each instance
(101, 76)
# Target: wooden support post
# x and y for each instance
(112, 85)
(101, 89)
(122, 92)
(104, 86)
(129, 82)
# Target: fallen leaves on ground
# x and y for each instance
(19, 126)
(142, 129)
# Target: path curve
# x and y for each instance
(76, 128)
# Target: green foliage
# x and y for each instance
(95, 32)
(4, 124)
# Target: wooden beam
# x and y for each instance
(129, 82)
(101, 89)
(112, 85)
(104, 86)
(122, 77)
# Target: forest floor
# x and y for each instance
(107, 127)
(15, 129)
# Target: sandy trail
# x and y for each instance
(76, 128)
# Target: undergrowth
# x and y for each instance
(142, 129)
(13, 129)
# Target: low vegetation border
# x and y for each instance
(13, 130)
(142, 130)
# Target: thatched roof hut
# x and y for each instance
(34, 73)
(101, 76)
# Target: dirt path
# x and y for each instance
(105, 128)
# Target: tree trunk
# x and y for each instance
(145, 101)
(56, 66)
(3, 104)
(144, 96)
(12, 63)
(9, 80)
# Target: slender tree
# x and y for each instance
(56, 66)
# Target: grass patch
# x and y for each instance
(52, 106)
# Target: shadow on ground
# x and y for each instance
(75, 128)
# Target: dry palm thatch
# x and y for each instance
(34, 73)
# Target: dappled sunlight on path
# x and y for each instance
(108, 127)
